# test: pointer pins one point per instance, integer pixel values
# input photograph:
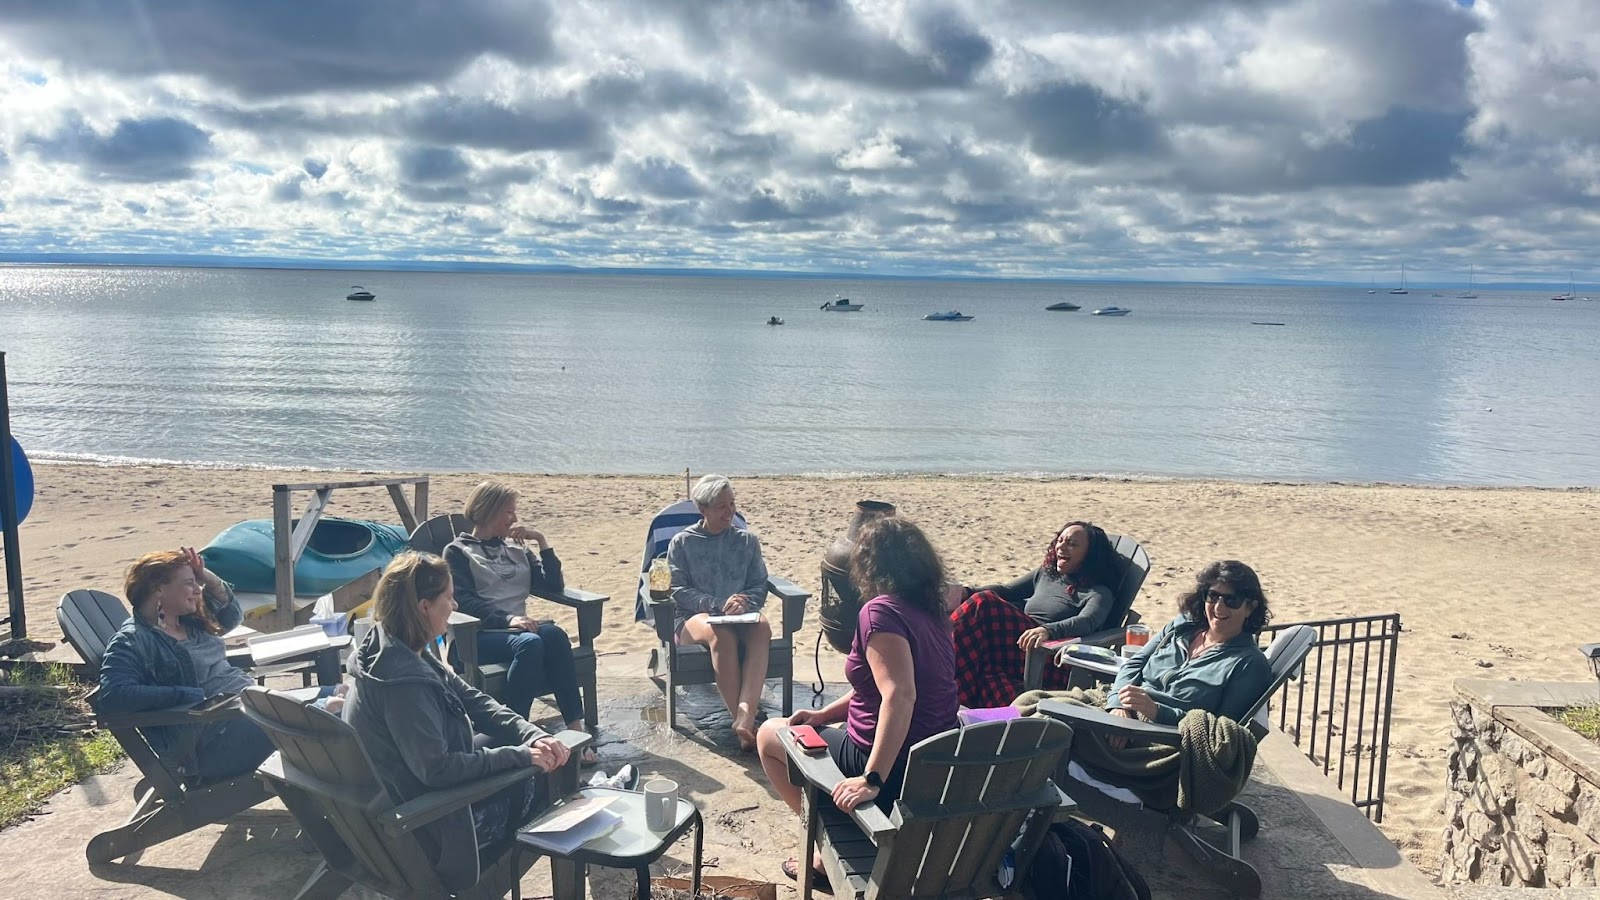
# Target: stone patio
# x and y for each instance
(1313, 844)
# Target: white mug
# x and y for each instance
(660, 804)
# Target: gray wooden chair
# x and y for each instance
(433, 536)
(673, 665)
(1134, 564)
(969, 794)
(1287, 655)
(167, 803)
(325, 778)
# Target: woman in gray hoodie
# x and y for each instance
(424, 728)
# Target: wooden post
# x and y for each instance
(18, 615)
(282, 559)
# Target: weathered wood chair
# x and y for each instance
(970, 794)
(1224, 863)
(167, 802)
(325, 778)
(673, 665)
(433, 536)
(1134, 563)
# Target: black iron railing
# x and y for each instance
(1338, 710)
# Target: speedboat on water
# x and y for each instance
(774, 320)
(357, 292)
(1111, 311)
(842, 304)
(951, 316)
(1063, 306)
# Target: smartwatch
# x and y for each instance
(874, 780)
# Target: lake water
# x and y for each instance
(638, 374)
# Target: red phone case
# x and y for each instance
(807, 739)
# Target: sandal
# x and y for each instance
(819, 878)
(587, 758)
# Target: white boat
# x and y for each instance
(1570, 294)
(951, 316)
(1111, 311)
(357, 292)
(842, 304)
(1469, 294)
(1402, 288)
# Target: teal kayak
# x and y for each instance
(341, 550)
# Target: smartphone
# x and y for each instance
(807, 739)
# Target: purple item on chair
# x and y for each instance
(988, 714)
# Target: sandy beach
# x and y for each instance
(1489, 582)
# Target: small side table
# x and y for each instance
(630, 846)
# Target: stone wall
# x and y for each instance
(1523, 807)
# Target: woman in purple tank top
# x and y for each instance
(901, 670)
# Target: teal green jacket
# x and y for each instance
(1225, 681)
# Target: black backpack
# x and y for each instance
(1077, 862)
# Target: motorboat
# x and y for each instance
(338, 552)
(1063, 306)
(357, 292)
(842, 304)
(1111, 311)
(774, 320)
(951, 316)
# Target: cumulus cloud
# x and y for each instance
(1167, 138)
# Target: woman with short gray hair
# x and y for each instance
(717, 570)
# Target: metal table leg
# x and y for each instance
(699, 841)
(642, 874)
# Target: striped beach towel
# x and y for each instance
(667, 523)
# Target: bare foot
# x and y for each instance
(744, 727)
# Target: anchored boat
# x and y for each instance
(357, 292)
(951, 316)
(1111, 311)
(843, 304)
(1063, 306)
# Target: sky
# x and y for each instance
(1160, 139)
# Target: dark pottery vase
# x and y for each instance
(841, 602)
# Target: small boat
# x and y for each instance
(1063, 306)
(357, 292)
(1469, 293)
(951, 316)
(1266, 323)
(1570, 294)
(1111, 311)
(340, 551)
(774, 321)
(842, 304)
(1402, 288)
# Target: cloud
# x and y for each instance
(1079, 122)
(445, 175)
(137, 150)
(286, 46)
(557, 124)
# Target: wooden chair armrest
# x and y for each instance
(171, 715)
(1098, 721)
(794, 600)
(1033, 666)
(821, 774)
(434, 805)
(665, 614)
(590, 607)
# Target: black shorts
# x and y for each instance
(852, 761)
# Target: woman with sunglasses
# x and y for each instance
(1206, 658)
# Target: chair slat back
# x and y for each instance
(435, 534)
(1134, 564)
(666, 524)
(1286, 654)
(89, 619)
(321, 745)
(968, 792)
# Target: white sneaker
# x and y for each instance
(626, 778)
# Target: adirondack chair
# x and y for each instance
(1135, 565)
(168, 803)
(433, 536)
(969, 794)
(1286, 654)
(325, 778)
(673, 665)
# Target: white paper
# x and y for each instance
(749, 618)
(270, 648)
(591, 823)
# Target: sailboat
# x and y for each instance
(1570, 292)
(1372, 285)
(1468, 294)
(1402, 288)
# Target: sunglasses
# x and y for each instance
(1232, 601)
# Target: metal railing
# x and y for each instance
(1348, 675)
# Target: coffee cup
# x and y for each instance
(660, 804)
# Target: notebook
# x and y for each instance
(571, 825)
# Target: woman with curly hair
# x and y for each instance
(1207, 658)
(1069, 595)
(901, 669)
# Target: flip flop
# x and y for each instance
(587, 758)
(819, 879)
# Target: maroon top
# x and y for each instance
(933, 659)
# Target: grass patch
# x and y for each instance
(47, 740)
(1585, 720)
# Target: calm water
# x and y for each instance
(588, 373)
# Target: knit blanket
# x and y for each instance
(1208, 768)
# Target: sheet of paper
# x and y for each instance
(743, 619)
(569, 814)
(598, 825)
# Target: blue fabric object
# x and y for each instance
(340, 551)
(22, 480)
